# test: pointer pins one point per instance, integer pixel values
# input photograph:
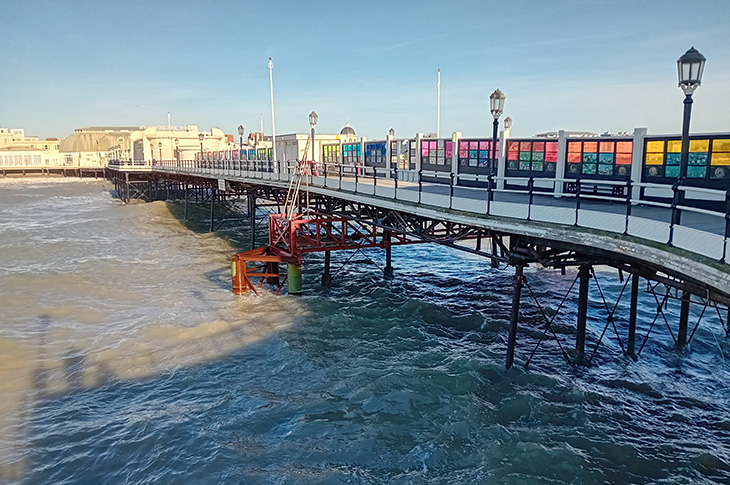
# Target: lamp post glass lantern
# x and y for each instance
(496, 106)
(313, 122)
(200, 137)
(241, 130)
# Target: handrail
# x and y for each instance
(419, 184)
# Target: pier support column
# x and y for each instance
(514, 315)
(580, 338)
(631, 349)
(252, 218)
(185, 217)
(388, 271)
(326, 276)
(294, 278)
(212, 209)
(495, 264)
(683, 319)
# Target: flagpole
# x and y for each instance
(438, 105)
(273, 124)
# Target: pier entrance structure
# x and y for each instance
(583, 227)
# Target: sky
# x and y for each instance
(587, 65)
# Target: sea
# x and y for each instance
(126, 359)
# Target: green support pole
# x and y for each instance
(294, 278)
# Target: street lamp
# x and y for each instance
(507, 123)
(159, 147)
(313, 122)
(200, 137)
(391, 132)
(177, 149)
(496, 106)
(241, 130)
(689, 70)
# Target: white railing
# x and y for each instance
(606, 205)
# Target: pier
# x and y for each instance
(505, 219)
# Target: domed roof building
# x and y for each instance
(348, 130)
(347, 134)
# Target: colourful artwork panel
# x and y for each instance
(603, 158)
(707, 159)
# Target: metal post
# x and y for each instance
(580, 338)
(493, 165)
(631, 349)
(514, 315)
(685, 153)
(212, 209)
(252, 218)
(727, 226)
(629, 183)
(577, 199)
(388, 271)
(326, 276)
(675, 211)
(420, 185)
(683, 319)
(451, 191)
(530, 188)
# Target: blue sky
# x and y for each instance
(588, 65)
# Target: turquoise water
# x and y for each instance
(126, 359)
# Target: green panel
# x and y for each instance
(673, 158)
(696, 172)
(672, 171)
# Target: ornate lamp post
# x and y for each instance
(200, 137)
(159, 147)
(496, 106)
(177, 149)
(391, 132)
(241, 129)
(313, 122)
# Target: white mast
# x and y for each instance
(273, 124)
(438, 105)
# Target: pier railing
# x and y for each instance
(700, 225)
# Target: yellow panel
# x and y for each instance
(721, 146)
(720, 159)
(655, 146)
(654, 158)
(674, 146)
(699, 145)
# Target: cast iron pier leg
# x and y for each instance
(631, 349)
(514, 316)
(252, 218)
(580, 338)
(388, 271)
(212, 210)
(683, 320)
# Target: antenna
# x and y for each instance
(438, 105)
